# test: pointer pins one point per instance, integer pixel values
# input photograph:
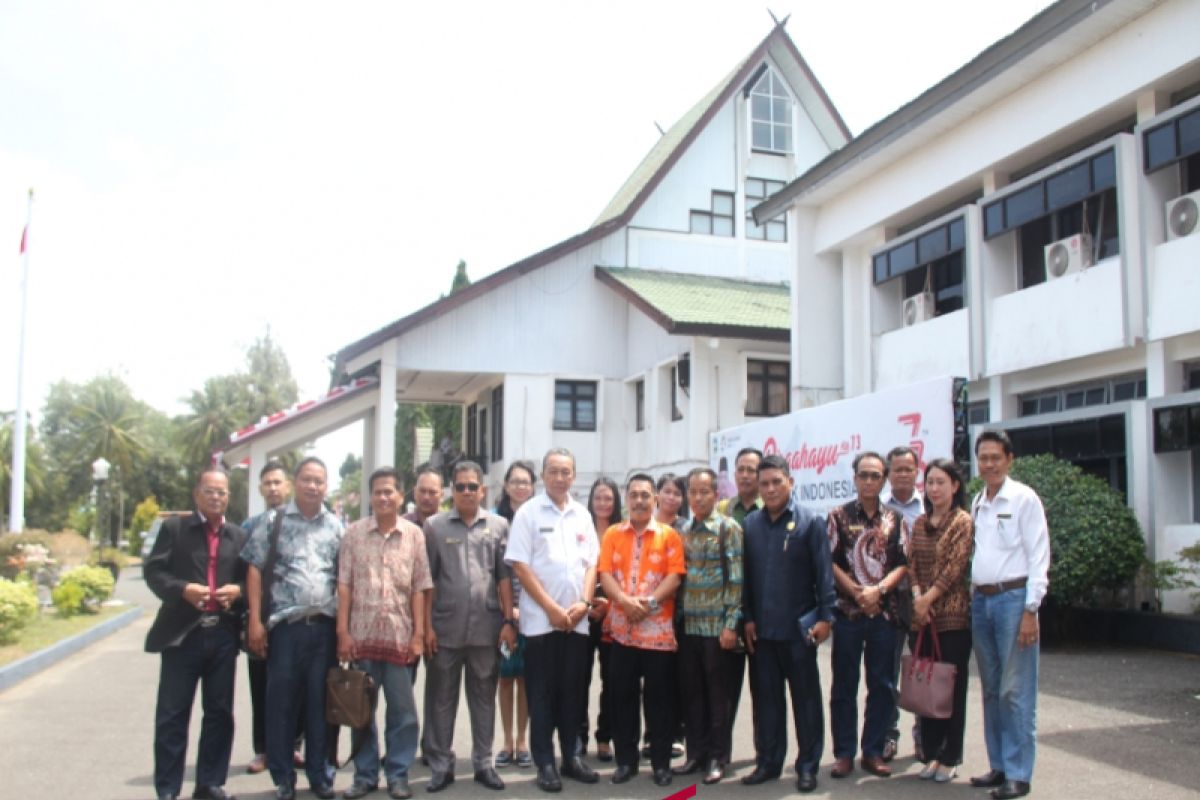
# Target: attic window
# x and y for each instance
(770, 114)
(717, 220)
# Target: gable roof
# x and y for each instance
(1050, 24)
(705, 305)
(634, 192)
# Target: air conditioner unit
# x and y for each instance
(1072, 254)
(1183, 214)
(917, 308)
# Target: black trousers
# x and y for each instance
(774, 666)
(709, 678)
(634, 671)
(942, 739)
(554, 670)
(596, 646)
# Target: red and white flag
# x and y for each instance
(24, 234)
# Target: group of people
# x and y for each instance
(671, 589)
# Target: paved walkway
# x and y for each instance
(1113, 723)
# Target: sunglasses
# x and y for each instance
(466, 487)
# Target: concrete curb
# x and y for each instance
(34, 663)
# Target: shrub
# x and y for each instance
(12, 561)
(96, 583)
(143, 517)
(67, 598)
(18, 605)
(1096, 542)
(70, 549)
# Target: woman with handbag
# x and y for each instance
(939, 560)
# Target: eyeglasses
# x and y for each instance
(214, 492)
(870, 476)
(558, 473)
(466, 487)
(519, 483)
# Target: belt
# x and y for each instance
(210, 620)
(990, 589)
(311, 619)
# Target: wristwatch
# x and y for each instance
(1031, 608)
(511, 622)
(653, 603)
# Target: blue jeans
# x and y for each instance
(207, 656)
(299, 654)
(401, 726)
(869, 641)
(1008, 675)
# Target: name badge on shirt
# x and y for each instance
(857, 528)
(546, 530)
(454, 540)
(1004, 516)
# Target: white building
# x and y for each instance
(1029, 223)
(630, 342)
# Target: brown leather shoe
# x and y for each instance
(842, 767)
(876, 766)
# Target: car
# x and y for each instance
(150, 536)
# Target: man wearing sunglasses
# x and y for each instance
(465, 626)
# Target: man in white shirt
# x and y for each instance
(553, 549)
(1009, 577)
(903, 498)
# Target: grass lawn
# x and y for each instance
(49, 628)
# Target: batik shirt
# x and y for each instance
(639, 563)
(711, 602)
(305, 575)
(867, 549)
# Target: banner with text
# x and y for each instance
(820, 443)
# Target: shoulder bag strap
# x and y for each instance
(268, 572)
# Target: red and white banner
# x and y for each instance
(820, 443)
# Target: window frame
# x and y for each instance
(766, 379)
(777, 127)
(576, 399)
(769, 186)
(639, 404)
(712, 215)
(497, 423)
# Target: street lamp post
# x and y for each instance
(100, 469)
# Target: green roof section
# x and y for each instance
(690, 304)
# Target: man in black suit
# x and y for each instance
(195, 569)
(787, 603)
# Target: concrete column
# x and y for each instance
(384, 433)
(370, 458)
(259, 456)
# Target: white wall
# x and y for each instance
(939, 346)
(1174, 283)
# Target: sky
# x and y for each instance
(206, 173)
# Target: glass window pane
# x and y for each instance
(1027, 204)
(1048, 403)
(776, 231)
(1069, 186)
(700, 222)
(1189, 134)
(753, 231)
(783, 138)
(562, 389)
(777, 398)
(881, 268)
(1170, 429)
(585, 414)
(778, 369)
(585, 390)
(903, 258)
(1124, 390)
(932, 245)
(1031, 441)
(722, 203)
(755, 189)
(1095, 396)
(1160, 146)
(1104, 171)
(722, 226)
(1029, 407)
(781, 110)
(1112, 436)
(760, 108)
(1193, 439)
(1074, 399)
(773, 187)
(958, 234)
(762, 135)
(562, 413)
(1076, 440)
(993, 219)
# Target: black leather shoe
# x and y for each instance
(715, 772)
(399, 789)
(662, 776)
(623, 773)
(993, 777)
(324, 792)
(1010, 789)
(688, 767)
(358, 789)
(439, 781)
(488, 777)
(806, 782)
(211, 793)
(285, 792)
(759, 775)
(548, 780)
(578, 770)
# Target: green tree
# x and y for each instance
(220, 408)
(271, 385)
(35, 466)
(461, 281)
(143, 517)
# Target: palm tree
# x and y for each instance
(222, 407)
(107, 421)
(35, 464)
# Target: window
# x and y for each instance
(481, 448)
(1191, 376)
(1096, 216)
(1172, 140)
(935, 257)
(676, 414)
(639, 404)
(979, 413)
(498, 423)
(1097, 446)
(718, 220)
(574, 405)
(770, 114)
(773, 230)
(768, 388)
(1177, 428)
(1114, 390)
(472, 428)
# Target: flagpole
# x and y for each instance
(16, 506)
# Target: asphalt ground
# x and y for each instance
(1112, 723)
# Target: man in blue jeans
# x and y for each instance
(867, 541)
(383, 572)
(299, 591)
(1009, 578)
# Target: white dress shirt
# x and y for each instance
(914, 508)
(1011, 539)
(560, 546)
